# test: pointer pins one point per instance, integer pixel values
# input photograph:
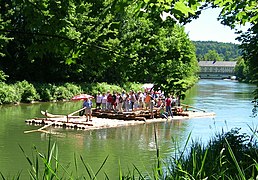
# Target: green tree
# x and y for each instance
(3, 37)
(250, 53)
(243, 12)
(212, 55)
(158, 52)
(40, 44)
(241, 69)
(94, 41)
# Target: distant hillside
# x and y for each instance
(227, 51)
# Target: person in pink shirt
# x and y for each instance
(104, 102)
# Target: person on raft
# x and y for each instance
(88, 111)
(168, 102)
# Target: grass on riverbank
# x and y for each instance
(228, 155)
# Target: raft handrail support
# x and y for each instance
(41, 129)
(193, 107)
(68, 115)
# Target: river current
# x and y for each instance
(124, 147)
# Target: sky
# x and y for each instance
(207, 28)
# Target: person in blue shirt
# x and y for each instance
(88, 111)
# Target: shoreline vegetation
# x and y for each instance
(227, 155)
(26, 92)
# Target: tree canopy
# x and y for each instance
(96, 41)
(110, 40)
(240, 13)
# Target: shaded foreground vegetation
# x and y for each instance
(228, 155)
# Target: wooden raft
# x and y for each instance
(106, 119)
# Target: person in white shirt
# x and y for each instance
(132, 99)
(119, 99)
(99, 100)
(104, 102)
(141, 99)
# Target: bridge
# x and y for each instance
(216, 69)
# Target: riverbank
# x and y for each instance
(26, 92)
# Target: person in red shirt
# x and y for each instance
(109, 100)
(168, 102)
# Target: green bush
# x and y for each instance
(61, 93)
(86, 87)
(45, 92)
(74, 89)
(104, 87)
(27, 91)
(50, 92)
(8, 94)
(133, 86)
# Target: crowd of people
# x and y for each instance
(130, 101)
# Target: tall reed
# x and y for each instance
(228, 155)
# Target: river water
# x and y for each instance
(125, 147)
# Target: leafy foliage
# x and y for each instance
(241, 70)
(104, 87)
(8, 94)
(3, 76)
(109, 41)
(241, 13)
(26, 91)
(249, 46)
(23, 91)
(45, 92)
(104, 41)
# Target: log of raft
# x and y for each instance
(140, 115)
(61, 124)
